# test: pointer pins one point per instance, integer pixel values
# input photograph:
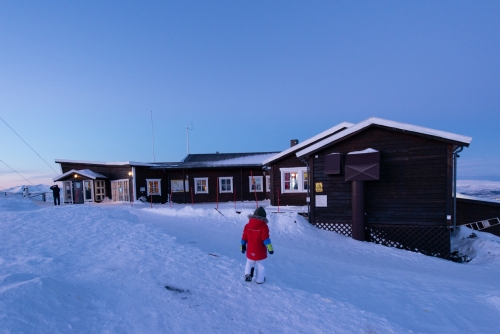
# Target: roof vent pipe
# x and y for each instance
(294, 142)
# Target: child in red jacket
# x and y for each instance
(256, 242)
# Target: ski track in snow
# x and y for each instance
(104, 268)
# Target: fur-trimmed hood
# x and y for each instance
(259, 218)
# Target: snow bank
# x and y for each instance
(480, 247)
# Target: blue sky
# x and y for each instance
(79, 80)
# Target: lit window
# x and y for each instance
(255, 183)
(294, 179)
(154, 187)
(225, 184)
(268, 183)
(201, 185)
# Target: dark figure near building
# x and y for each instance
(56, 194)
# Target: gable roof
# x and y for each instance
(104, 163)
(312, 140)
(84, 172)
(253, 159)
(438, 134)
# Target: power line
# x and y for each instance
(20, 175)
(28, 146)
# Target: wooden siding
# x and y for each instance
(111, 172)
(285, 198)
(414, 186)
(241, 187)
(470, 211)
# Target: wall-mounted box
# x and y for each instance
(363, 165)
(333, 163)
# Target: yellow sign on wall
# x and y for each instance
(319, 187)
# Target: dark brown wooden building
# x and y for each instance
(479, 214)
(288, 181)
(99, 180)
(406, 197)
(223, 177)
(198, 178)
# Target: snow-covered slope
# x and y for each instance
(105, 268)
(480, 188)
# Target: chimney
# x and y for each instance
(294, 142)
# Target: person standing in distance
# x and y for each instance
(56, 194)
(256, 243)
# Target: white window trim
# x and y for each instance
(195, 185)
(220, 184)
(300, 180)
(159, 186)
(255, 178)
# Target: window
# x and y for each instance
(100, 190)
(255, 183)
(201, 185)
(119, 191)
(177, 186)
(268, 183)
(225, 184)
(294, 179)
(87, 193)
(154, 186)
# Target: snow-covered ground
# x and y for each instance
(121, 268)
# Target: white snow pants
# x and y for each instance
(259, 271)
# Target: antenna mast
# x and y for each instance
(153, 134)
(187, 136)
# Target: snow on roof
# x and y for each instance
(84, 172)
(309, 141)
(368, 150)
(122, 163)
(465, 140)
(475, 198)
(256, 159)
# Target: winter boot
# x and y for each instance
(248, 278)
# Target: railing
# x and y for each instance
(483, 224)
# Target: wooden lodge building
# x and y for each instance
(385, 182)
(289, 182)
(381, 181)
(198, 178)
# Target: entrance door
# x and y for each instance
(68, 192)
(77, 192)
(88, 193)
(120, 191)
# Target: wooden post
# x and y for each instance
(217, 194)
(192, 197)
(278, 199)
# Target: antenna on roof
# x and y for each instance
(153, 133)
(187, 136)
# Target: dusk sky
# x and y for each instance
(79, 80)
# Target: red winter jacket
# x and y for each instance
(254, 234)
